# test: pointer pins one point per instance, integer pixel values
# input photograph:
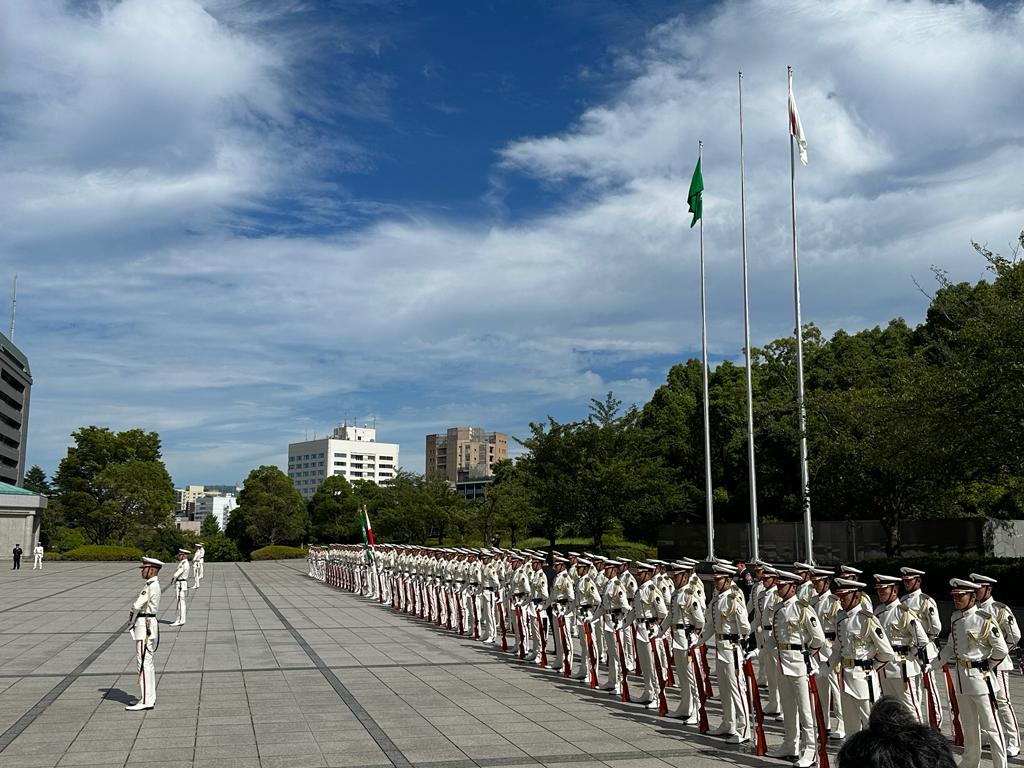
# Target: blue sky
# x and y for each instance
(236, 223)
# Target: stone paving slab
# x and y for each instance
(274, 669)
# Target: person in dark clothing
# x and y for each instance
(894, 739)
(17, 557)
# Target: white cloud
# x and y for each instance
(147, 116)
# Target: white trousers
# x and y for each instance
(797, 714)
(978, 717)
(907, 692)
(37, 562)
(855, 713)
(732, 690)
(1007, 717)
(831, 702)
(147, 673)
(686, 681)
(770, 661)
(181, 592)
(488, 623)
(198, 572)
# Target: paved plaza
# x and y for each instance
(276, 669)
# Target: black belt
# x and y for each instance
(474, 583)
(730, 638)
(538, 601)
(830, 635)
(145, 615)
(901, 648)
(862, 663)
(562, 600)
(687, 627)
(767, 629)
(585, 606)
(489, 589)
(518, 594)
(181, 579)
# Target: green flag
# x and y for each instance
(367, 553)
(695, 197)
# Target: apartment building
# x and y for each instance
(464, 453)
(350, 452)
(15, 387)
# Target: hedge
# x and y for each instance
(277, 553)
(939, 569)
(102, 552)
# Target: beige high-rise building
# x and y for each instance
(465, 453)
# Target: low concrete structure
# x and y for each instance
(20, 519)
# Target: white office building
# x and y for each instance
(217, 504)
(351, 452)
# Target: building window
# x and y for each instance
(339, 463)
(339, 455)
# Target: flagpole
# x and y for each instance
(754, 543)
(801, 409)
(709, 501)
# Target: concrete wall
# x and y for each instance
(836, 541)
(19, 524)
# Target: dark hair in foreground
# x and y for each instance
(894, 739)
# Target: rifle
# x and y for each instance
(958, 731)
(501, 621)
(670, 661)
(703, 650)
(543, 640)
(591, 653)
(702, 697)
(437, 600)
(760, 743)
(932, 703)
(458, 613)
(656, 656)
(636, 652)
(624, 694)
(566, 653)
(819, 716)
(519, 626)
(476, 618)
(447, 609)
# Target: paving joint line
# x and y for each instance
(390, 749)
(69, 589)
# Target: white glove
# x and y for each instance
(751, 655)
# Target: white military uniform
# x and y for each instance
(588, 608)
(684, 623)
(901, 677)
(490, 595)
(180, 579)
(1006, 622)
(539, 595)
(146, 634)
(728, 625)
(520, 588)
(976, 647)
(647, 613)
(37, 557)
(861, 645)
(826, 605)
(563, 597)
(927, 613)
(614, 604)
(198, 565)
(764, 608)
(797, 634)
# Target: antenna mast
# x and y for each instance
(14, 305)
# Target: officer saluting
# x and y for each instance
(143, 626)
(975, 647)
(181, 587)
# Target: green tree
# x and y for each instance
(274, 510)
(209, 527)
(98, 447)
(35, 481)
(334, 512)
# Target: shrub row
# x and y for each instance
(277, 553)
(102, 552)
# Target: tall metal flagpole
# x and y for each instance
(707, 417)
(754, 544)
(801, 410)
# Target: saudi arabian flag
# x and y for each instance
(696, 196)
(363, 520)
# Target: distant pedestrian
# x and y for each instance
(180, 579)
(37, 557)
(17, 551)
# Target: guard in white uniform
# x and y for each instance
(180, 579)
(928, 615)
(797, 634)
(684, 623)
(901, 678)
(728, 625)
(826, 605)
(1006, 622)
(975, 647)
(142, 625)
(761, 619)
(563, 598)
(614, 604)
(37, 557)
(647, 612)
(861, 646)
(539, 595)
(587, 610)
(198, 564)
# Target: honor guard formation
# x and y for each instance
(808, 647)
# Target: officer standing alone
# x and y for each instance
(181, 587)
(144, 630)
